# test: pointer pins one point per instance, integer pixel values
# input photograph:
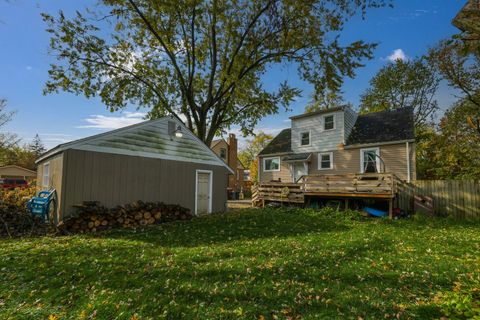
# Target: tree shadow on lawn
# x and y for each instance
(259, 286)
(228, 227)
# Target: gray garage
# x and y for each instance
(156, 160)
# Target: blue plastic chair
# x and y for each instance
(43, 205)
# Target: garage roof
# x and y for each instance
(149, 139)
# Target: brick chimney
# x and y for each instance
(232, 160)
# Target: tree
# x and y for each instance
(7, 140)
(452, 151)
(404, 84)
(254, 172)
(20, 156)
(36, 146)
(461, 69)
(325, 101)
(254, 146)
(203, 60)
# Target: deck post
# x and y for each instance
(390, 208)
(346, 203)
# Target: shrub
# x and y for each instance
(17, 197)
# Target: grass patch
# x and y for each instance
(251, 264)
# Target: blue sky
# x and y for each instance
(406, 30)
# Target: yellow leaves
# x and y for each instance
(134, 317)
(52, 317)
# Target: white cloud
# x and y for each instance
(98, 121)
(397, 54)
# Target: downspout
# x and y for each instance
(408, 161)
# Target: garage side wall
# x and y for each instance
(116, 179)
(55, 180)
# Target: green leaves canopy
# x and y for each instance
(403, 84)
(202, 61)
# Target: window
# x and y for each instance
(271, 164)
(305, 138)
(46, 175)
(223, 153)
(369, 160)
(329, 122)
(325, 161)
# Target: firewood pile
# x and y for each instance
(92, 216)
(15, 221)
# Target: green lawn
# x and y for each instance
(252, 264)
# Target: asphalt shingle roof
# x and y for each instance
(384, 126)
(280, 144)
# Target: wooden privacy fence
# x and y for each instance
(457, 198)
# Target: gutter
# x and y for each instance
(374, 144)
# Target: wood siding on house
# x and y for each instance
(320, 140)
(348, 161)
(115, 179)
(56, 171)
(284, 174)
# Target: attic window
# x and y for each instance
(305, 138)
(329, 122)
(223, 153)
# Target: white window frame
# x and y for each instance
(309, 138)
(264, 167)
(210, 189)
(377, 159)
(319, 160)
(46, 183)
(324, 122)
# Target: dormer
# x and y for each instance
(322, 130)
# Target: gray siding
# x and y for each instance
(115, 179)
(350, 117)
(320, 140)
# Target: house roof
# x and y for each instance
(18, 167)
(378, 127)
(384, 126)
(215, 142)
(150, 139)
(313, 113)
(280, 144)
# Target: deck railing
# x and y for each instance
(374, 185)
(362, 184)
(278, 192)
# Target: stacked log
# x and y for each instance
(92, 216)
(15, 221)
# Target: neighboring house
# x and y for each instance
(338, 140)
(156, 160)
(13, 171)
(228, 152)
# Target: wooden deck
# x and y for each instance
(345, 186)
(371, 185)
